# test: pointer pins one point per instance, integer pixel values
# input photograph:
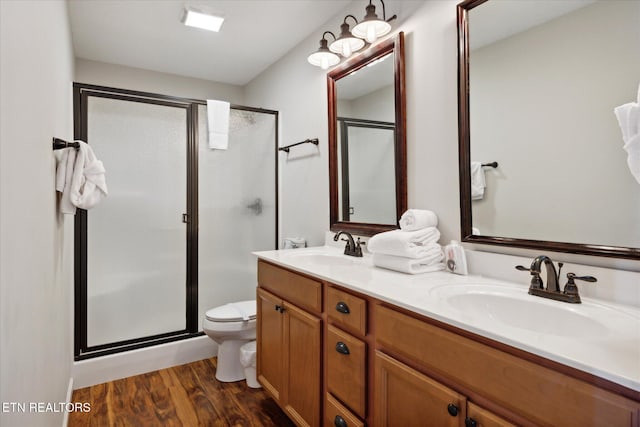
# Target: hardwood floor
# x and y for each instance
(187, 395)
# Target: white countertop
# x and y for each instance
(602, 338)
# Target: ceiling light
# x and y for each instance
(346, 44)
(323, 57)
(371, 27)
(199, 19)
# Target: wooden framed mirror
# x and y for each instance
(367, 140)
(537, 88)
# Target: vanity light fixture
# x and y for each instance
(371, 27)
(200, 19)
(323, 57)
(346, 44)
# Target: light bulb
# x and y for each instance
(324, 63)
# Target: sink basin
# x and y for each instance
(513, 307)
(321, 257)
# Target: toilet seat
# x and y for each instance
(233, 312)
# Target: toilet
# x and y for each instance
(231, 326)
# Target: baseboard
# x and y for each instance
(65, 417)
(99, 370)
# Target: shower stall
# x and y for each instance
(174, 236)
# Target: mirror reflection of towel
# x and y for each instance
(477, 181)
(629, 120)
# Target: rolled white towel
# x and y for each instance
(410, 244)
(415, 219)
(407, 265)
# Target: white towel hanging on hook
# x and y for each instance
(628, 116)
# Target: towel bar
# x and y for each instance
(59, 144)
(310, 141)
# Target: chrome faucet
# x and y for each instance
(552, 290)
(352, 248)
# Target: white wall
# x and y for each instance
(36, 72)
(298, 90)
(122, 77)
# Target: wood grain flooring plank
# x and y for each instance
(181, 396)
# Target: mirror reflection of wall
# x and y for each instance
(541, 104)
(366, 138)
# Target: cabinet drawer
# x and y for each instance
(539, 394)
(300, 290)
(347, 310)
(336, 415)
(346, 369)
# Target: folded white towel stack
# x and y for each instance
(415, 219)
(81, 179)
(410, 244)
(413, 249)
(218, 122)
(628, 116)
(407, 265)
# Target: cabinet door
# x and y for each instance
(346, 369)
(405, 397)
(270, 351)
(302, 363)
(480, 417)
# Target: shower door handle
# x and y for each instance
(185, 218)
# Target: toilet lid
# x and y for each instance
(233, 312)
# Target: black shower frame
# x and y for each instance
(81, 92)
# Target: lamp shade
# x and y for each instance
(346, 44)
(371, 27)
(323, 57)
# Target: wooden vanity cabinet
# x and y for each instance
(531, 393)
(406, 397)
(289, 348)
(405, 369)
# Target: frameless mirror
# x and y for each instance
(538, 83)
(367, 148)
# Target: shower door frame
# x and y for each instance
(81, 92)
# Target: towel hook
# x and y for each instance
(59, 144)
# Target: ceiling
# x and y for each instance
(148, 34)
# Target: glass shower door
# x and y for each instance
(136, 238)
(237, 206)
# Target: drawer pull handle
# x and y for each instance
(279, 308)
(470, 422)
(453, 409)
(342, 307)
(340, 422)
(342, 348)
